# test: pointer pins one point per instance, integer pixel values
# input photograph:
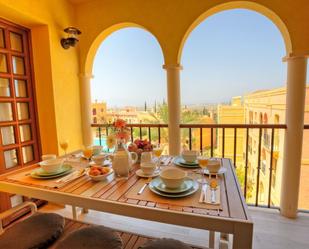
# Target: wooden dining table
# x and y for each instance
(118, 196)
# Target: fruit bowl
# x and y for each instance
(98, 173)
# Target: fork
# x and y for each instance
(203, 193)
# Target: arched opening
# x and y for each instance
(128, 81)
(268, 13)
(230, 59)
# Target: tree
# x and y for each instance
(145, 107)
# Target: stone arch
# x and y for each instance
(240, 5)
(92, 50)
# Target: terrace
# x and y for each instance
(45, 98)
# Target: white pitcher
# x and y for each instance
(122, 161)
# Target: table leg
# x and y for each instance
(211, 239)
(243, 235)
(74, 212)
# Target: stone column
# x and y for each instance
(85, 102)
(174, 107)
(295, 105)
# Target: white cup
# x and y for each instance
(148, 168)
(146, 157)
(48, 157)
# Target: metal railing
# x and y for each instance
(218, 131)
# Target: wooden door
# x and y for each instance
(18, 126)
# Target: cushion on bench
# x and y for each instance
(37, 231)
(93, 237)
(165, 244)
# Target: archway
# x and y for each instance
(88, 65)
(128, 79)
(241, 5)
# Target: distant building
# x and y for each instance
(231, 114)
(99, 114)
(263, 107)
(129, 114)
(206, 134)
(269, 107)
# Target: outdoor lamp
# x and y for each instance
(72, 40)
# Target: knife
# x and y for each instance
(144, 186)
(213, 195)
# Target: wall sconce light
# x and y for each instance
(72, 40)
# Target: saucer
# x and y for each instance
(179, 161)
(221, 171)
(140, 173)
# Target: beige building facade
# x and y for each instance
(99, 112)
(231, 114)
(262, 107)
(269, 107)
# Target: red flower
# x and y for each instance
(120, 123)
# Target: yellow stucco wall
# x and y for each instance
(55, 69)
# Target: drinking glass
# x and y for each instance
(157, 151)
(146, 157)
(203, 162)
(64, 145)
(88, 152)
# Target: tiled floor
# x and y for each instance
(271, 231)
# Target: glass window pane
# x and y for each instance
(7, 135)
(18, 65)
(4, 87)
(6, 112)
(16, 200)
(3, 64)
(27, 153)
(22, 111)
(2, 38)
(20, 88)
(16, 42)
(10, 158)
(25, 133)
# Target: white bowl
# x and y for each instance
(148, 168)
(51, 165)
(48, 157)
(213, 165)
(173, 177)
(189, 155)
(99, 159)
(96, 149)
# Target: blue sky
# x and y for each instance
(231, 53)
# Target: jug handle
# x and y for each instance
(111, 157)
(135, 157)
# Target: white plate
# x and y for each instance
(221, 171)
(140, 173)
(185, 186)
(191, 191)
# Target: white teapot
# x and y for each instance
(122, 161)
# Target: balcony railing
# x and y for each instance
(220, 145)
